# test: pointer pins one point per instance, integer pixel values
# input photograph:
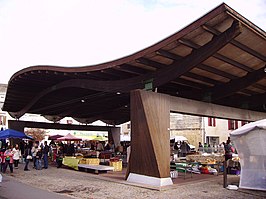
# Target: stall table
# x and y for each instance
(71, 162)
(184, 167)
(95, 168)
(212, 160)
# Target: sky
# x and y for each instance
(88, 32)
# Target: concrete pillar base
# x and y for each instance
(148, 180)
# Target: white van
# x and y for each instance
(179, 139)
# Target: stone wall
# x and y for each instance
(188, 126)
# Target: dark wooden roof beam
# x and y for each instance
(38, 81)
(118, 73)
(170, 55)
(221, 91)
(259, 86)
(131, 69)
(235, 43)
(188, 83)
(210, 29)
(94, 113)
(257, 100)
(151, 63)
(201, 66)
(216, 55)
(197, 56)
(111, 73)
(249, 92)
(100, 75)
(216, 71)
(232, 62)
(202, 78)
(189, 43)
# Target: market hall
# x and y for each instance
(213, 67)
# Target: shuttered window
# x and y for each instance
(211, 121)
(232, 124)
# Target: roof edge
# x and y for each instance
(190, 27)
(245, 21)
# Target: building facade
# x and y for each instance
(197, 129)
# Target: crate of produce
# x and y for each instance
(117, 165)
(82, 161)
(93, 161)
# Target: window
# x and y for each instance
(211, 121)
(243, 123)
(232, 124)
(212, 140)
(2, 120)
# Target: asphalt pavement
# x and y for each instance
(11, 189)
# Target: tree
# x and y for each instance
(37, 134)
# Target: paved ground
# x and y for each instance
(12, 189)
(64, 183)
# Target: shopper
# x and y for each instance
(8, 160)
(200, 148)
(38, 159)
(27, 157)
(228, 148)
(59, 157)
(2, 158)
(69, 149)
(34, 150)
(184, 149)
(45, 152)
(17, 155)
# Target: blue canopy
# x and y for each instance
(10, 133)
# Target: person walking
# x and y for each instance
(200, 148)
(69, 149)
(34, 150)
(59, 157)
(38, 158)
(2, 157)
(27, 157)
(228, 150)
(45, 155)
(8, 160)
(17, 155)
(184, 149)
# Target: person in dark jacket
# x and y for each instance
(59, 157)
(39, 159)
(228, 150)
(45, 152)
(69, 149)
(184, 149)
(27, 155)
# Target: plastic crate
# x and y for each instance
(82, 161)
(93, 161)
(117, 165)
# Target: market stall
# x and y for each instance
(90, 158)
(250, 142)
(205, 158)
(71, 162)
(69, 153)
(207, 163)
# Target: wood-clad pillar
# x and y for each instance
(150, 149)
(114, 135)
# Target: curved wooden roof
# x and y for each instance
(219, 58)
